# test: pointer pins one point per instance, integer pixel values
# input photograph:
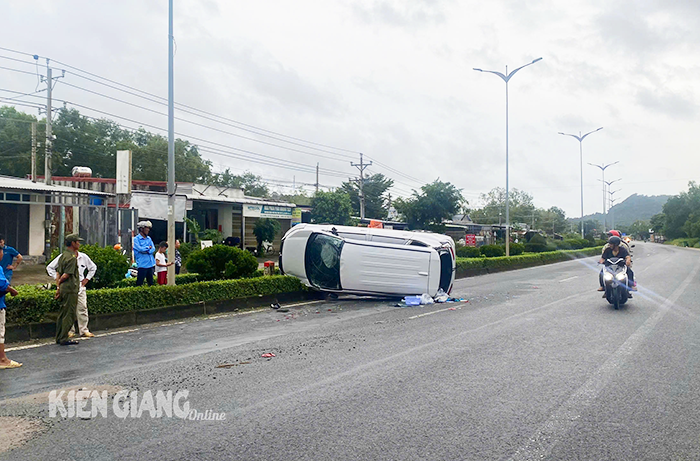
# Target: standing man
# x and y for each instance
(143, 253)
(5, 288)
(7, 262)
(178, 257)
(84, 264)
(67, 288)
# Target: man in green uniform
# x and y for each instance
(67, 287)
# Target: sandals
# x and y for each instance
(12, 364)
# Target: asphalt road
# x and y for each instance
(535, 366)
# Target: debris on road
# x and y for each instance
(268, 355)
(229, 365)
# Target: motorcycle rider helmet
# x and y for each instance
(614, 233)
(614, 240)
(143, 224)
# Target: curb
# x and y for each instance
(17, 333)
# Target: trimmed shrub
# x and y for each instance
(492, 251)
(221, 261)
(34, 304)
(477, 266)
(536, 244)
(182, 279)
(111, 264)
(517, 249)
(468, 252)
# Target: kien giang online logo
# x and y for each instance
(86, 404)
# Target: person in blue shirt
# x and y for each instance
(7, 262)
(143, 253)
(5, 288)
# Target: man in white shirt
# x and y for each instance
(84, 264)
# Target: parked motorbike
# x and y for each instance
(615, 281)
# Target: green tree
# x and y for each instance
(331, 208)
(682, 214)
(639, 229)
(16, 142)
(374, 189)
(521, 208)
(252, 185)
(552, 220)
(657, 223)
(265, 230)
(435, 203)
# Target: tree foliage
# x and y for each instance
(374, 189)
(521, 208)
(436, 202)
(251, 184)
(221, 261)
(265, 230)
(16, 142)
(681, 214)
(331, 208)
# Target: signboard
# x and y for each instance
(267, 211)
(123, 185)
(155, 206)
(296, 216)
(470, 240)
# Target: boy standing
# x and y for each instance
(162, 264)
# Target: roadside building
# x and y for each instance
(34, 213)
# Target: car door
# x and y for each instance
(369, 267)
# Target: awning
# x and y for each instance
(19, 184)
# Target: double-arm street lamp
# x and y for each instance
(602, 169)
(580, 139)
(612, 206)
(506, 77)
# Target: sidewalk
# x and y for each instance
(30, 274)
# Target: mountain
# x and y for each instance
(633, 208)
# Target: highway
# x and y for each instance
(536, 365)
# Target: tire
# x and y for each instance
(616, 298)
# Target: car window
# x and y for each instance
(322, 261)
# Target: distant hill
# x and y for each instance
(633, 208)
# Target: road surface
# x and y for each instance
(535, 366)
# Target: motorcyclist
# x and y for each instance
(623, 244)
(615, 249)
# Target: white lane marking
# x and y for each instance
(555, 428)
(570, 278)
(212, 317)
(431, 313)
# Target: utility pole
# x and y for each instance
(361, 166)
(49, 141)
(33, 151)
(171, 147)
(317, 177)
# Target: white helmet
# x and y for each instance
(143, 224)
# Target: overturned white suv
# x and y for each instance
(368, 261)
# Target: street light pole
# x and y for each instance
(612, 205)
(171, 148)
(580, 148)
(506, 77)
(602, 169)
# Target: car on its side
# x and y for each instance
(382, 262)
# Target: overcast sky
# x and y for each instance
(394, 79)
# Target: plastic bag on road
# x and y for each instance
(425, 298)
(441, 296)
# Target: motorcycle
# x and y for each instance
(616, 282)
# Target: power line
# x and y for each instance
(159, 100)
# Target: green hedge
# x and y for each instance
(182, 279)
(34, 304)
(475, 266)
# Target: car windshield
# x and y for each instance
(322, 261)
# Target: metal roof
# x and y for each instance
(10, 182)
(245, 200)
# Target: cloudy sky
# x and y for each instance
(394, 79)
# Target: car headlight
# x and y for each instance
(621, 276)
(607, 276)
